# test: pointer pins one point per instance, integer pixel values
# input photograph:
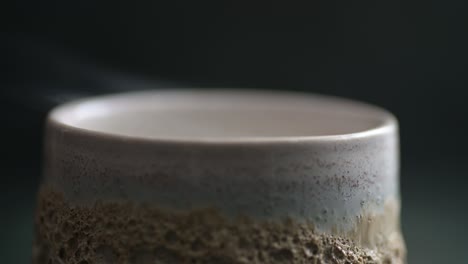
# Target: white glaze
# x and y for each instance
(309, 157)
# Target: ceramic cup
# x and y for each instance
(219, 176)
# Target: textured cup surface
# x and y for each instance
(219, 176)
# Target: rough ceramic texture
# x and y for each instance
(330, 181)
(121, 233)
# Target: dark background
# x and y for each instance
(408, 56)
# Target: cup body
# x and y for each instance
(124, 184)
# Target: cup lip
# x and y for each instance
(387, 124)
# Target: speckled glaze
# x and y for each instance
(331, 181)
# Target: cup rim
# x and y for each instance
(57, 118)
